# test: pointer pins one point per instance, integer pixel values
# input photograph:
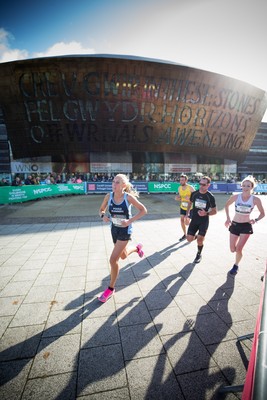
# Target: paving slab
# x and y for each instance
(169, 332)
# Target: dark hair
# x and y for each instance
(206, 177)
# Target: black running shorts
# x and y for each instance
(119, 234)
(201, 226)
(183, 212)
(237, 228)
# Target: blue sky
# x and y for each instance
(227, 37)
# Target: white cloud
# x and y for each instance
(6, 52)
(62, 48)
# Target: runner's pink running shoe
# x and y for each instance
(107, 294)
(139, 250)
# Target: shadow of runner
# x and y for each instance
(158, 256)
(188, 353)
(15, 358)
(25, 352)
(102, 357)
(27, 349)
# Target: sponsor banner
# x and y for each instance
(218, 187)
(12, 194)
(110, 167)
(170, 187)
(261, 188)
(31, 165)
(99, 187)
(107, 162)
(224, 187)
(176, 168)
(180, 162)
(233, 187)
(141, 187)
(167, 187)
(195, 185)
(163, 187)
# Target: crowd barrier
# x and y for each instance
(255, 386)
(18, 194)
(141, 187)
(172, 187)
(256, 383)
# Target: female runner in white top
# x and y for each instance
(240, 226)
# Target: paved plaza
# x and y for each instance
(170, 330)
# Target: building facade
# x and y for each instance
(255, 162)
(107, 114)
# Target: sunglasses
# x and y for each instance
(203, 184)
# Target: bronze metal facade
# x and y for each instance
(64, 106)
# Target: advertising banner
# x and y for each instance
(261, 188)
(167, 187)
(218, 187)
(99, 187)
(141, 187)
(162, 187)
(15, 194)
(233, 187)
(110, 163)
(180, 162)
(32, 165)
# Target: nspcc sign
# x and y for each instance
(84, 104)
(162, 187)
(167, 187)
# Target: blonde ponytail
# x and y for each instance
(128, 186)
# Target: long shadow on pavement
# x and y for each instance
(137, 334)
(28, 348)
(22, 353)
(191, 366)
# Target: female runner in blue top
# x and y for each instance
(118, 204)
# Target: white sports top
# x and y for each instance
(244, 207)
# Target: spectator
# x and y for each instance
(58, 179)
(37, 180)
(3, 182)
(48, 180)
(17, 181)
(29, 180)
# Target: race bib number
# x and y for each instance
(184, 204)
(243, 209)
(200, 203)
(117, 220)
